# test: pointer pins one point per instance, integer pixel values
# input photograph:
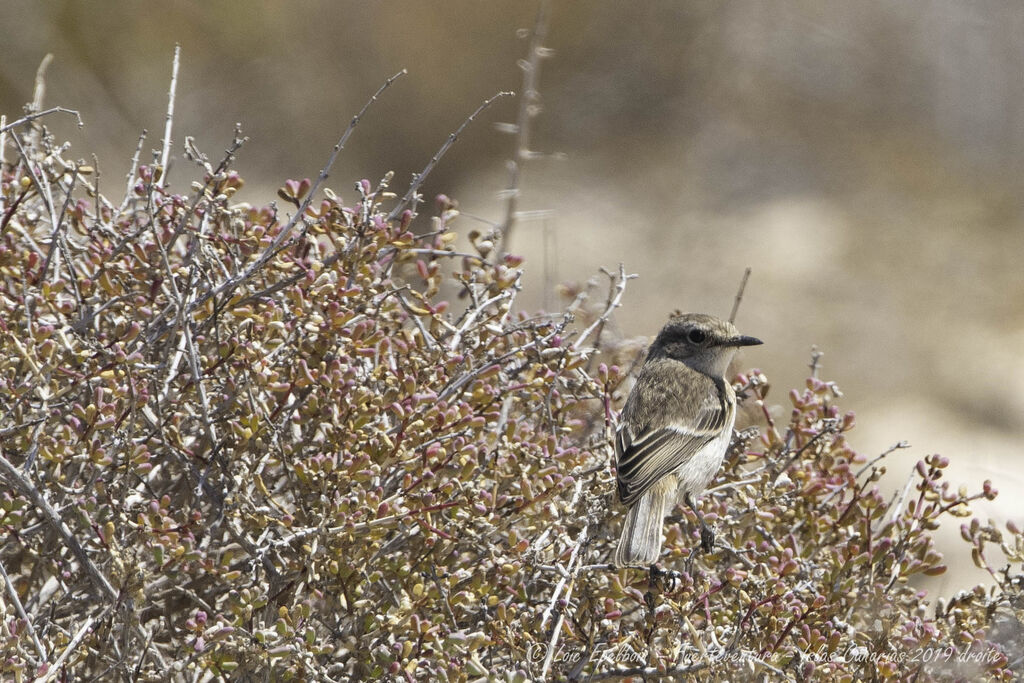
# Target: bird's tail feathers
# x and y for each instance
(640, 543)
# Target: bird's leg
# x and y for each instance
(707, 535)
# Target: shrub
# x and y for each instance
(324, 447)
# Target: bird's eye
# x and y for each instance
(696, 336)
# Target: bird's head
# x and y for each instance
(703, 342)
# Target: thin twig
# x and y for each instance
(43, 188)
(340, 145)
(613, 303)
(599, 331)
(18, 481)
(169, 121)
(861, 471)
(463, 380)
(213, 176)
(567, 582)
(142, 657)
(475, 313)
(826, 429)
(79, 635)
(231, 284)
(452, 137)
(895, 447)
(577, 490)
(129, 179)
(6, 431)
(197, 377)
(21, 613)
(32, 117)
(739, 295)
(896, 509)
(56, 241)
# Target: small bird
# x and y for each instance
(674, 430)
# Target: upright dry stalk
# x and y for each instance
(169, 120)
(739, 295)
(529, 107)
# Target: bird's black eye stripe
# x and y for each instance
(696, 336)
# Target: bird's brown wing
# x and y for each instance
(645, 456)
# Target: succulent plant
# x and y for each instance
(324, 446)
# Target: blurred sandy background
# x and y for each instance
(864, 158)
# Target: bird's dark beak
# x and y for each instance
(743, 340)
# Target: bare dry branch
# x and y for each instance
(15, 479)
(528, 109)
(21, 612)
(422, 175)
(40, 114)
(169, 118)
(614, 301)
(739, 296)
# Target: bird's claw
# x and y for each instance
(707, 539)
(671, 579)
